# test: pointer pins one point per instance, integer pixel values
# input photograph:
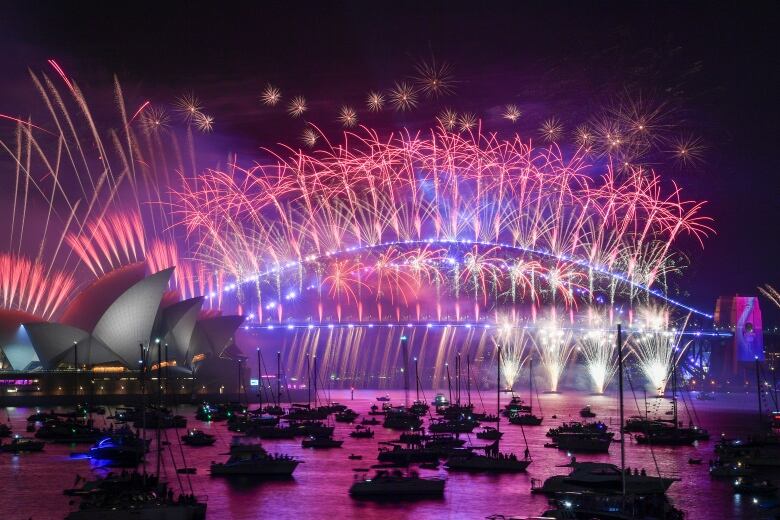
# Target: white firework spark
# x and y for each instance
(347, 116)
(297, 106)
(512, 113)
(403, 97)
(375, 101)
(270, 96)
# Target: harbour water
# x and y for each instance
(33, 483)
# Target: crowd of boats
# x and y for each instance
(429, 435)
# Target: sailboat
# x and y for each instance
(528, 419)
(674, 434)
(419, 407)
(493, 460)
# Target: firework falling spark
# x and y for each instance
(270, 96)
(551, 130)
(771, 294)
(403, 97)
(657, 352)
(347, 116)
(30, 287)
(448, 119)
(511, 113)
(434, 79)
(375, 101)
(297, 106)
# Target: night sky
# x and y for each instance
(717, 66)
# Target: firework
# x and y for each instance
(270, 96)
(434, 79)
(481, 235)
(467, 121)
(657, 352)
(347, 116)
(555, 347)
(188, 106)
(448, 119)
(375, 101)
(309, 137)
(551, 130)
(600, 356)
(511, 113)
(584, 137)
(297, 106)
(403, 97)
(771, 294)
(154, 119)
(203, 122)
(516, 344)
(30, 287)
(688, 150)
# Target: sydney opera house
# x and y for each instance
(125, 320)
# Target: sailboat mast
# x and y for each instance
(620, 392)
(531, 384)
(315, 381)
(449, 382)
(457, 378)
(278, 378)
(405, 354)
(468, 378)
(417, 379)
(159, 407)
(758, 395)
(308, 383)
(259, 382)
(498, 392)
(674, 390)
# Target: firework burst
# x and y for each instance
(154, 119)
(434, 79)
(467, 121)
(188, 106)
(403, 96)
(688, 150)
(555, 347)
(375, 101)
(203, 122)
(297, 106)
(511, 113)
(600, 356)
(448, 119)
(347, 116)
(551, 130)
(270, 96)
(309, 137)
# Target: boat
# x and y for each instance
(22, 444)
(492, 459)
(759, 451)
(383, 398)
(747, 485)
(346, 416)
(515, 406)
(526, 417)
(57, 430)
(577, 427)
(583, 442)
(401, 419)
(405, 456)
(694, 461)
(352, 456)
(5, 430)
(721, 469)
(198, 438)
(602, 477)
(489, 433)
(253, 459)
(586, 412)
(419, 408)
(612, 506)
(705, 396)
(370, 422)
(396, 484)
(134, 497)
(669, 437)
(120, 448)
(440, 401)
(316, 428)
(460, 425)
(361, 433)
(273, 432)
(321, 442)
